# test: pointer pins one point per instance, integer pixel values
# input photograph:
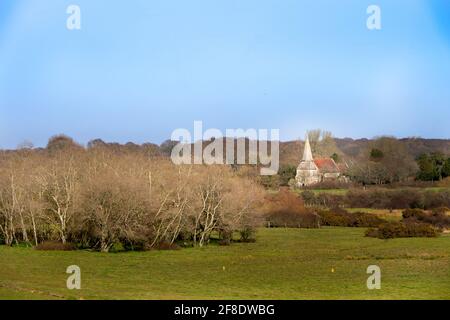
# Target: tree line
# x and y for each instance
(433, 166)
(96, 198)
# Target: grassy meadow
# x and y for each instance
(326, 263)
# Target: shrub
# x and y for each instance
(390, 230)
(445, 183)
(328, 200)
(413, 214)
(225, 237)
(364, 219)
(438, 218)
(166, 246)
(117, 247)
(224, 242)
(321, 199)
(341, 218)
(290, 219)
(270, 182)
(408, 198)
(366, 199)
(372, 232)
(435, 199)
(136, 243)
(441, 210)
(55, 245)
(334, 218)
(395, 199)
(286, 209)
(308, 197)
(331, 184)
(247, 234)
(286, 173)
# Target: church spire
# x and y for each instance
(307, 154)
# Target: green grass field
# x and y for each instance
(282, 264)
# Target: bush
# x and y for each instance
(308, 197)
(137, 243)
(364, 219)
(341, 218)
(372, 232)
(286, 209)
(270, 182)
(335, 218)
(290, 219)
(247, 234)
(225, 237)
(393, 199)
(414, 214)
(117, 247)
(224, 242)
(445, 183)
(367, 199)
(55, 246)
(438, 218)
(286, 173)
(166, 246)
(408, 198)
(392, 230)
(328, 200)
(435, 199)
(441, 210)
(321, 199)
(385, 199)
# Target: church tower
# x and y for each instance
(307, 154)
(307, 171)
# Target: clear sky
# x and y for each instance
(139, 69)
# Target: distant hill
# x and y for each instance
(415, 146)
(290, 151)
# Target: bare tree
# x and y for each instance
(60, 186)
(99, 197)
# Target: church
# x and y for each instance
(311, 171)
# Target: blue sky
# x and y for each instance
(139, 69)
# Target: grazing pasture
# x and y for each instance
(326, 263)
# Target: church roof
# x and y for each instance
(307, 154)
(326, 165)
